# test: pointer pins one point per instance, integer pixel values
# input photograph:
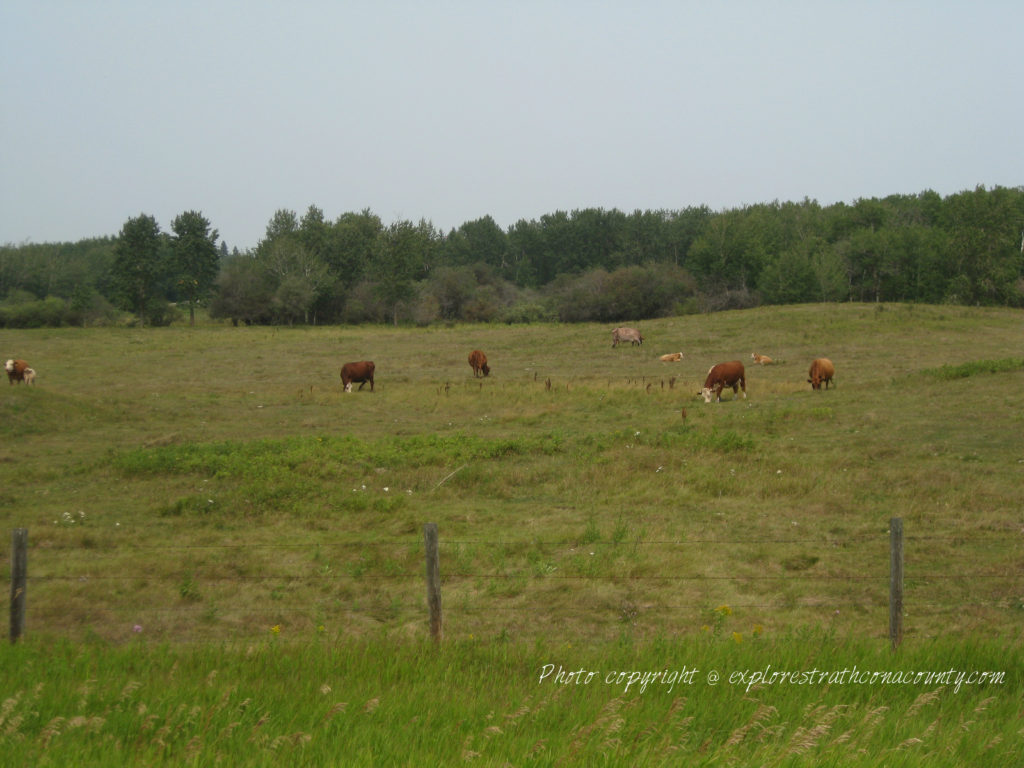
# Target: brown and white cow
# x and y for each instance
(722, 376)
(761, 359)
(622, 335)
(675, 357)
(15, 370)
(821, 370)
(478, 362)
(360, 373)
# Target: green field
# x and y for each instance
(208, 502)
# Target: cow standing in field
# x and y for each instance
(30, 376)
(821, 370)
(478, 362)
(360, 373)
(722, 376)
(622, 335)
(16, 370)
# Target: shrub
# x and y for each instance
(49, 312)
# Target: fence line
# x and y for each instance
(411, 541)
(435, 579)
(80, 577)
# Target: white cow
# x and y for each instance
(622, 335)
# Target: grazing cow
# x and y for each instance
(822, 370)
(15, 370)
(360, 373)
(761, 359)
(30, 376)
(478, 362)
(720, 377)
(622, 335)
(675, 357)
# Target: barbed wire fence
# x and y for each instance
(437, 580)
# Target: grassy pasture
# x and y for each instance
(240, 544)
(214, 482)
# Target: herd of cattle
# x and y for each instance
(730, 375)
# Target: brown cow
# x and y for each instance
(478, 362)
(15, 370)
(360, 372)
(623, 334)
(761, 359)
(673, 357)
(822, 370)
(721, 376)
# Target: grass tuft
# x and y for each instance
(975, 368)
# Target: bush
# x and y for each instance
(628, 293)
(88, 307)
(160, 312)
(48, 313)
(527, 312)
(363, 306)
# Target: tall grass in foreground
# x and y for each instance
(383, 703)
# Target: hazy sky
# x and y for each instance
(450, 111)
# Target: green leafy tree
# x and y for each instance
(452, 289)
(643, 238)
(196, 259)
(139, 265)
(403, 252)
(290, 254)
(293, 298)
(351, 245)
(729, 254)
(313, 232)
(283, 223)
(301, 277)
(525, 246)
(244, 291)
(477, 241)
(789, 279)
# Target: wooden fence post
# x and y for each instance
(896, 581)
(433, 580)
(19, 578)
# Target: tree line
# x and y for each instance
(586, 265)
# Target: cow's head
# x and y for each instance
(706, 393)
(9, 366)
(348, 387)
(486, 369)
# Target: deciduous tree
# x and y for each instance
(139, 264)
(196, 259)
